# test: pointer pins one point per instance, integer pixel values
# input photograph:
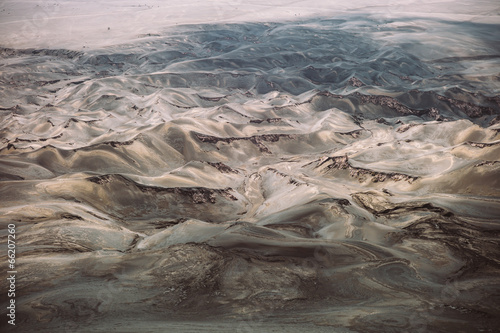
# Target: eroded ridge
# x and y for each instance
(298, 174)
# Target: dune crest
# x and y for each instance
(257, 173)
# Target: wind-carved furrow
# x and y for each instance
(342, 163)
(472, 110)
(223, 167)
(389, 102)
(482, 144)
(38, 140)
(379, 205)
(197, 194)
(441, 102)
(257, 140)
(68, 152)
(291, 179)
(486, 163)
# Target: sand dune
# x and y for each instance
(331, 172)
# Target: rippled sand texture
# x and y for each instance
(329, 175)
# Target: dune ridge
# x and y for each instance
(251, 171)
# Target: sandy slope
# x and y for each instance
(337, 173)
